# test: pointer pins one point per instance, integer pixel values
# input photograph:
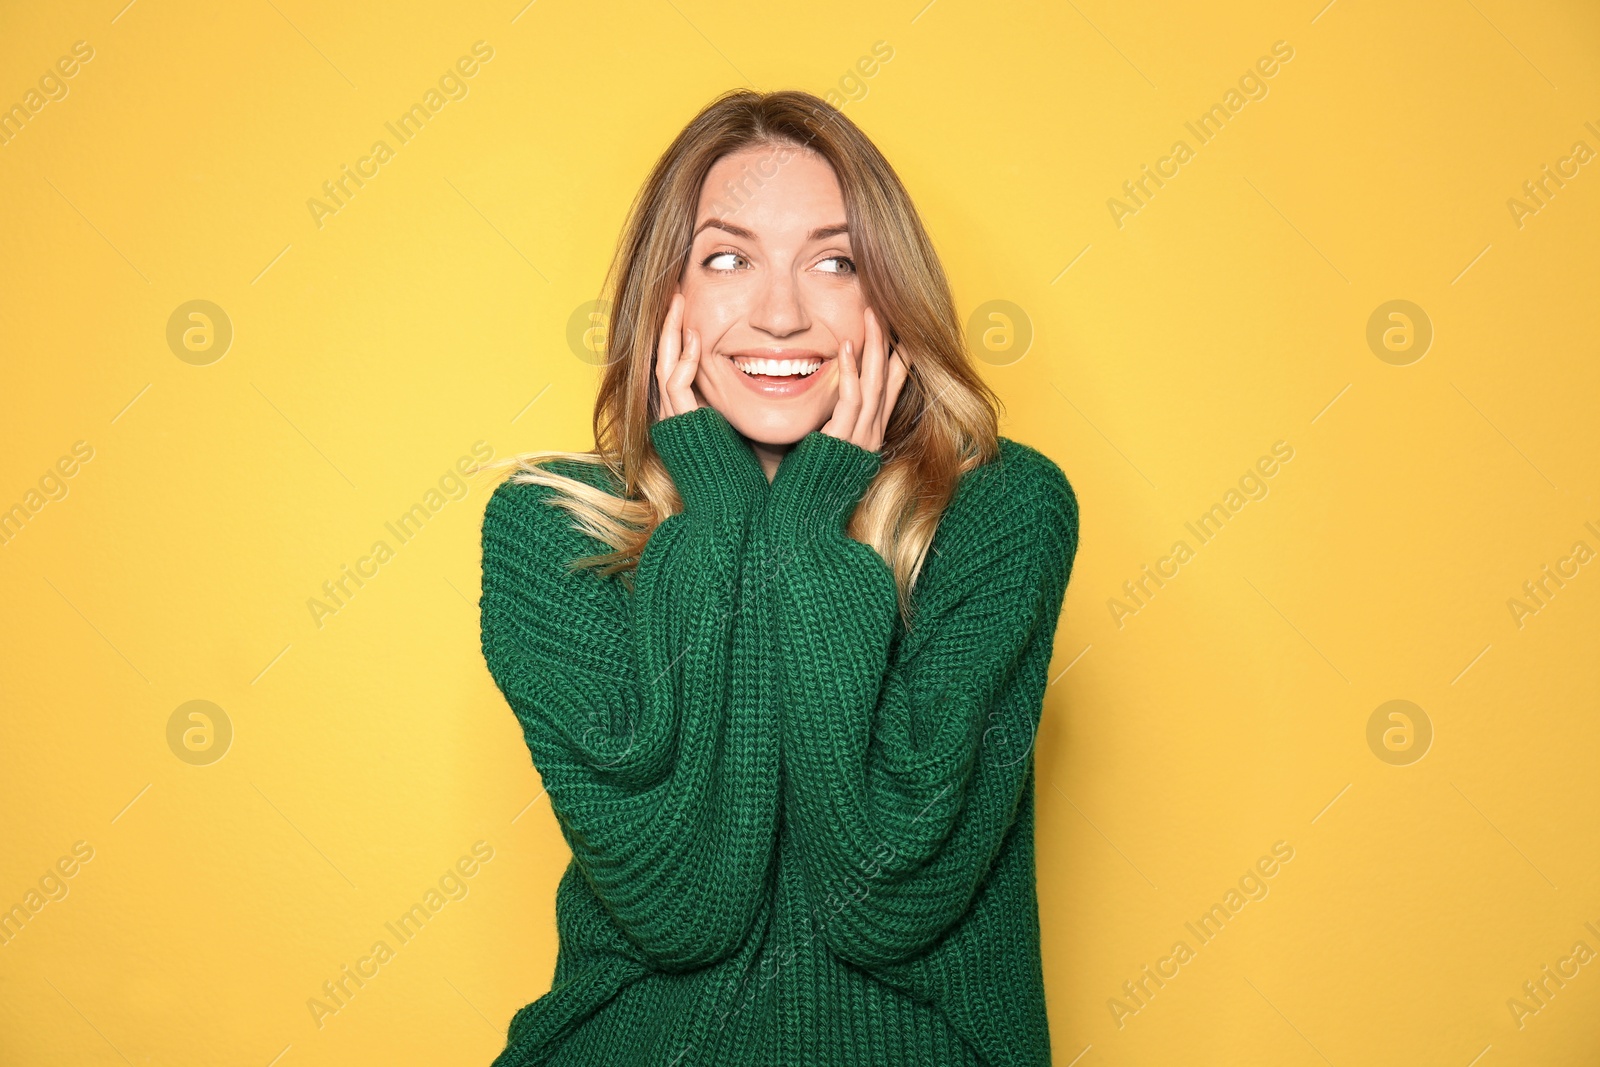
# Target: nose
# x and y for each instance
(779, 307)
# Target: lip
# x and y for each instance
(779, 388)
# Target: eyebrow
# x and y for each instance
(818, 234)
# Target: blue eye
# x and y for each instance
(707, 262)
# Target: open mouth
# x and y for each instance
(774, 370)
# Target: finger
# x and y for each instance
(847, 408)
(898, 373)
(667, 348)
(871, 377)
(831, 427)
(680, 386)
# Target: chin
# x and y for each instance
(771, 424)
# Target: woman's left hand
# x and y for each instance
(868, 391)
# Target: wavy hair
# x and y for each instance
(945, 419)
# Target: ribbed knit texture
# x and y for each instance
(802, 834)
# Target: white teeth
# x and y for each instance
(780, 368)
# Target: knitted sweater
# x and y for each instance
(801, 833)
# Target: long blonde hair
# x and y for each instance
(945, 421)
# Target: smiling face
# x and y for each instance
(772, 290)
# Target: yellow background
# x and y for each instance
(369, 753)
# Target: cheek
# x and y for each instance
(842, 314)
(847, 323)
(711, 310)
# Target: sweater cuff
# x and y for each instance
(712, 468)
(819, 483)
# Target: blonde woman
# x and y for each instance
(779, 644)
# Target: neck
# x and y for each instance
(769, 455)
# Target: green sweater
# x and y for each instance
(801, 832)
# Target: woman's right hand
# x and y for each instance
(677, 363)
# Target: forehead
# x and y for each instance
(771, 195)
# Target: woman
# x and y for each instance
(779, 644)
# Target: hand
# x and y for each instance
(867, 396)
(674, 374)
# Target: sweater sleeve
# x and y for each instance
(904, 775)
(640, 709)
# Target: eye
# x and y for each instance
(710, 260)
(848, 265)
